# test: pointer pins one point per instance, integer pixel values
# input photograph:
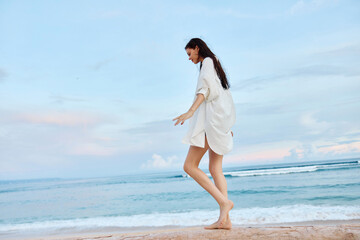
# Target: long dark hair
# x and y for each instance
(204, 51)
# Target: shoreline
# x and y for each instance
(327, 229)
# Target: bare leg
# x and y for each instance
(215, 168)
(191, 166)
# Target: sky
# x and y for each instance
(90, 88)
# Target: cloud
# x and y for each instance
(234, 13)
(258, 155)
(3, 74)
(101, 64)
(293, 150)
(42, 141)
(92, 149)
(312, 152)
(324, 70)
(55, 118)
(158, 162)
(303, 152)
(150, 137)
(162, 126)
(309, 6)
(304, 71)
(348, 50)
(62, 99)
(166, 10)
(265, 108)
(338, 149)
(314, 126)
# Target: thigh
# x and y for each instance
(195, 154)
(215, 162)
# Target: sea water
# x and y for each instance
(279, 193)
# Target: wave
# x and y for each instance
(244, 216)
(272, 171)
(286, 169)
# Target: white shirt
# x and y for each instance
(215, 116)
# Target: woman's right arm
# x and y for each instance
(199, 99)
(208, 85)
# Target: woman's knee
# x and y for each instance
(188, 167)
(216, 172)
(193, 158)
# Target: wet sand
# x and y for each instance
(302, 230)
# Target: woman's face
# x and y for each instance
(194, 55)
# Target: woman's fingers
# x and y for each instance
(179, 118)
(177, 122)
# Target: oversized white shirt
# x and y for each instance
(215, 116)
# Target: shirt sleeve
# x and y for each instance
(208, 85)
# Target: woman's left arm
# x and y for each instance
(199, 99)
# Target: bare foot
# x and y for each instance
(228, 224)
(224, 211)
(212, 226)
(217, 225)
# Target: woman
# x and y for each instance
(212, 115)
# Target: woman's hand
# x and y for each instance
(199, 99)
(183, 117)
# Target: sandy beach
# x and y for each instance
(302, 230)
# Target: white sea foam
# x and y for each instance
(273, 171)
(284, 170)
(283, 214)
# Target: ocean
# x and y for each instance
(262, 194)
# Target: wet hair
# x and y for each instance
(204, 51)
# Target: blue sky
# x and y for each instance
(90, 88)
